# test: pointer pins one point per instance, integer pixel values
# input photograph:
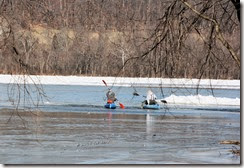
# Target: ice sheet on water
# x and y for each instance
(200, 100)
(76, 92)
(121, 81)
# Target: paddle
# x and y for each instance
(136, 94)
(120, 104)
(105, 83)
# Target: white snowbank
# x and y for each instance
(199, 100)
(120, 81)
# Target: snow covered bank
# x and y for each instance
(113, 81)
(199, 100)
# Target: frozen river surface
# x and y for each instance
(74, 128)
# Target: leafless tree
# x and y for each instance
(147, 38)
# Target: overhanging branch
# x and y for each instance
(218, 32)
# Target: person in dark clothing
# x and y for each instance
(110, 96)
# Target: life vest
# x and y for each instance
(109, 101)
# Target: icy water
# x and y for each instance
(74, 128)
(75, 98)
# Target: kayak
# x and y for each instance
(110, 105)
(151, 106)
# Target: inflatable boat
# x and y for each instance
(151, 106)
(110, 105)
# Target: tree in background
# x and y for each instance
(195, 39)
(136, 38)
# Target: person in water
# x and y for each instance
(110, 96)
(151, 98)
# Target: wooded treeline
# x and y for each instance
(134, 38)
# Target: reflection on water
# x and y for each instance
(109, 117)
(150, 122)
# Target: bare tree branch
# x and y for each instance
(218, 31)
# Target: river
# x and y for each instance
(71, 126)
